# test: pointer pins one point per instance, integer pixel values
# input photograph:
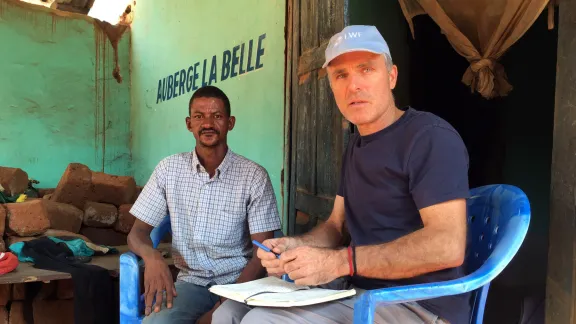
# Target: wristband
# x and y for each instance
(354, 258)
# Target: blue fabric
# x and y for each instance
(16, 248)
(77, 246)
(418, 161)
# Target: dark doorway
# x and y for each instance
(509, 140)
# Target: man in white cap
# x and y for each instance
(403, 185)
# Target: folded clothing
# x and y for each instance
(77, 246)
(94, 300)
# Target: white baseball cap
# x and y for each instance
(353, 39)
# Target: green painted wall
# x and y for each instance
(58, 100)
(167, 39)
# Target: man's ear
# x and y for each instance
(188, 124)
(393, 76)
(231, 123)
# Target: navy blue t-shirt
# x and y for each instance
(418, 161)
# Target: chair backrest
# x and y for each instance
(493, 211)
(159, 232)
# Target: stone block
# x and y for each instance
(65, 289)
(104, 236)
(75, 186)
(13, 180)
(27, 218)
(17, 313)
(100, 215)
(53, 311)
(64, 216)
(112, 189)
(125, 219)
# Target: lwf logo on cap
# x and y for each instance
(352, 35)
(356, 38)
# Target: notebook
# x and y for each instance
(275, 292)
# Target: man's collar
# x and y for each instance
(228, 160)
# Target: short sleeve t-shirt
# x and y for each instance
(388, 176)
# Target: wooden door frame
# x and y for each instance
(287, 178)
(561, 276)
(302, 65)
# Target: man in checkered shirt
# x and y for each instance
(217, 201)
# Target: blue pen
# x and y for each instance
(265, 248)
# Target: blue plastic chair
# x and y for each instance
(498, 218)
(131, 299)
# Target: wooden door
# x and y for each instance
(318, 132)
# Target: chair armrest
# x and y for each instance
(365, 305)
(503, 253)
(129, 286)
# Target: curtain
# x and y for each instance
(481, 31)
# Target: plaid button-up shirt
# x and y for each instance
(211, 218)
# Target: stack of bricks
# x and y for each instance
(91, 205)
(88, 204)
(52, 303)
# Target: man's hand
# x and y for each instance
(157, 279)
(314, 266)
(273, 265)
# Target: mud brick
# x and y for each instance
(64, 216)
(138, 192)
(47, 290)
(19, 291)
(53, 311)
(75, 186)
(65, 289)
(4, 315)
(100, 215)
(17, 313)
(125, 219)
(27, 218)
(13, 180)
(5, 293)
(64, 234)
(104, 236)
(15, 239)
(42, 192)
(3, 215)
(112, 189)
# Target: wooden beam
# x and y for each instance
(312, 59)
(561, 280)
